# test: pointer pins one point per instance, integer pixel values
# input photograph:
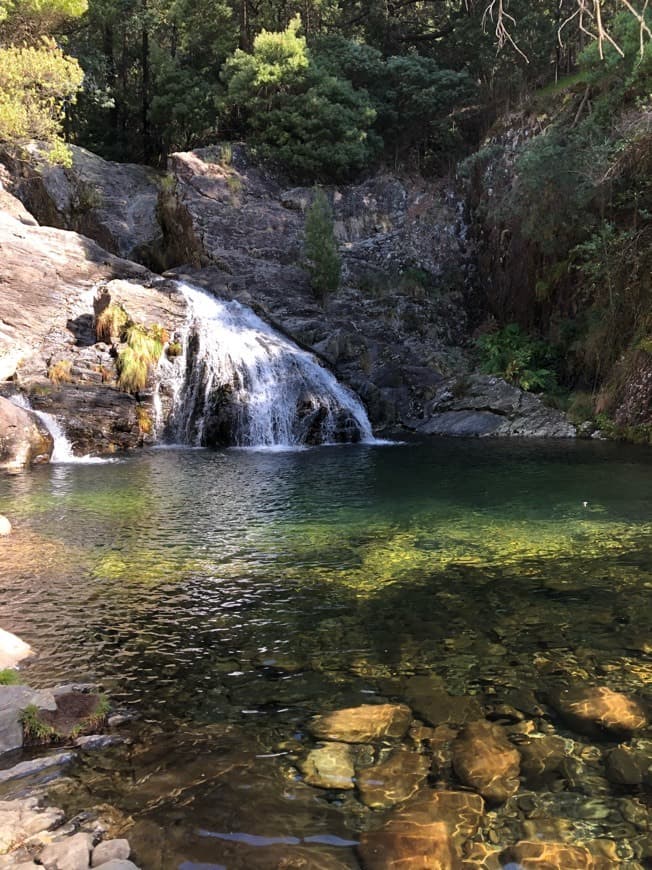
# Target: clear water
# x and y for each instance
(228, 596)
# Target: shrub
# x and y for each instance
(9, 677)
(518, 358)
(60, 372)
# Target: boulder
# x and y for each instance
(20, 819)
(13, 700)
(598, 711)
(393, 780)
(5, 526)
(71, 853)
(12, 649)
(110, 850)
(330, 766)
(24, 440)
(363, 724)
(113, 203)
(482, 405)
(484, 759)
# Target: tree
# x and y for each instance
(37, 80)
(293, 110)
(320, 247)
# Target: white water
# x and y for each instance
(62, 452)
(241, 382)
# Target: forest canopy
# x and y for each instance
(325, 88)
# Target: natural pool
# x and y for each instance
(227, 597)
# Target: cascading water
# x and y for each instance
(240, 382)
(62, 452)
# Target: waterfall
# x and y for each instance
(240, 382)
(62, 451)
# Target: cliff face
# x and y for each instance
(396, 331)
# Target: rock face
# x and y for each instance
(395, 331)
(24, 440)
(362, 724)
(482, 405)
(599, 711)
(112, 203)
(396, 324)
(48, 281)
(484, 759)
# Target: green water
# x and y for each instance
(227, 597)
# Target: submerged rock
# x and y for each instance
(362, 724)
(393, 780)
(426, 834)
(330, 766)
(597, 711)
(410, 846)
(484, 759)
(530, 855)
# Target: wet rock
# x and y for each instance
(109, 850)
(408, 846)
(72, 853)
(484, 759)
(541, 757)
(626, 765)
(530, 855)
(5, 526)
(362, 724)
(13, 700)
(35, 766)
(20, 819)
(12, 648)
(330, 766)
(393, 780)
(597, 711)
(91, 742)
(24, 440)
(460, 811)
(433, 703)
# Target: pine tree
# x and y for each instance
(320, 247)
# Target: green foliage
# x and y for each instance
(36, 82)
(320, 247)
(296, 112)
(9, 677)
(518, 358)
(35, 730)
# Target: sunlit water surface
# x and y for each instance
(228, 596)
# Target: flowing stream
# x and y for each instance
(240, 382)
(226, 596)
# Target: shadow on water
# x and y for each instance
(227, 597)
